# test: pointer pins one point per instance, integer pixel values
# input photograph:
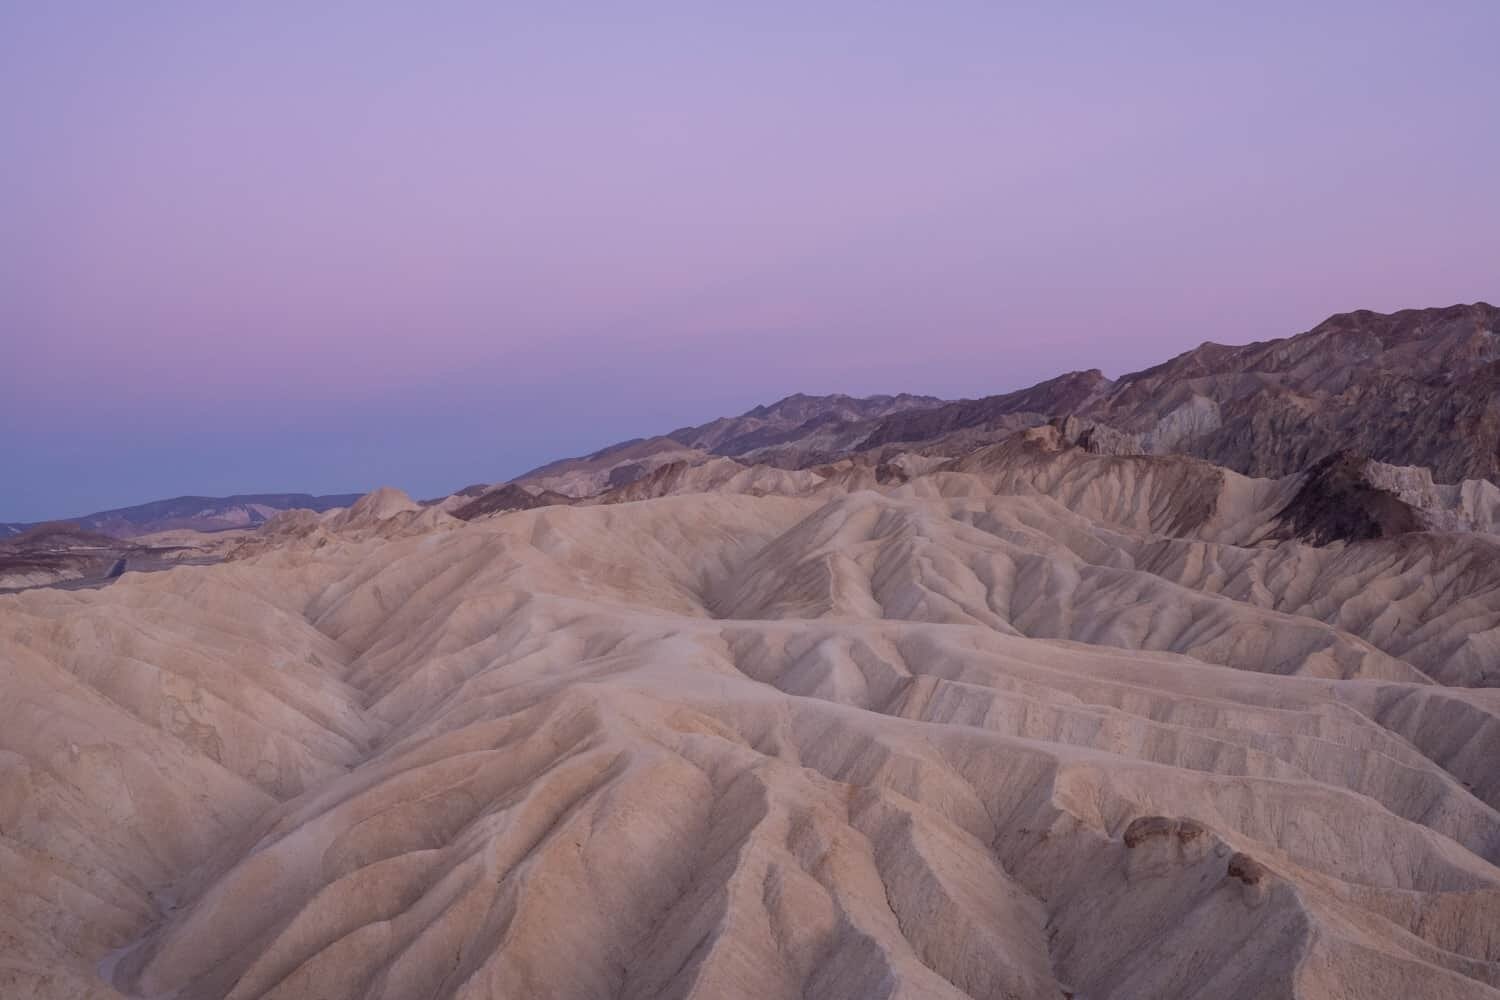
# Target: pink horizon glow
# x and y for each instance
(325, 247)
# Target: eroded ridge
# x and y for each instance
(1037, 723)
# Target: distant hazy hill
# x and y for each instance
(793, 431)
(244, 510)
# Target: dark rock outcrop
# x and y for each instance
(1246, 869)
(501, 498)
(1145, 828)
(1337, 503)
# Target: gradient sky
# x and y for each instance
(326, 246)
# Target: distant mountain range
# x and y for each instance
(1416, 387)
(1419, 387)
(246, 510)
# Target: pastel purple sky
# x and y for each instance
(326, 246)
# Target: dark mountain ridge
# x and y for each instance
(1414, 387)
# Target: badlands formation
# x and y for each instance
(1030, 710)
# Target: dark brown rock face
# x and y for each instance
(1147, 828)
(507, 497)
(1337, 504)
(1246, 869)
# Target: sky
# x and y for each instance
(323, 246)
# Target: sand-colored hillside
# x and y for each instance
(1036, 724)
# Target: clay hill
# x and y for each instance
(1092, 691)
